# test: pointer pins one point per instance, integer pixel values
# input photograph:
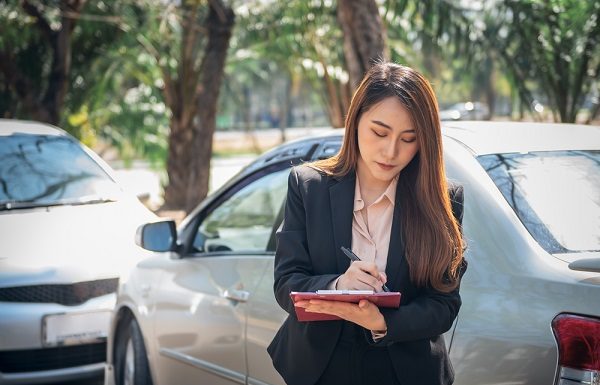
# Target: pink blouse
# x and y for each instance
(371, 228)
(372, 225)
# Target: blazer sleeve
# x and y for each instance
(293, 270)
(432, 312)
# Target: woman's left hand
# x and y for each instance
(365, 313)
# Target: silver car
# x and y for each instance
(66, 237)
(201, 310)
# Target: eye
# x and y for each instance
(409, 140)
(378, 134)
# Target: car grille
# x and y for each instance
(72, 294)
(19, 361)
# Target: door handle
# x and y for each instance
(236, 295)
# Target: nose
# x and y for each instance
(391, 149)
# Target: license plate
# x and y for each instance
(75, 328)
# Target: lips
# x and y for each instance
(384, 166)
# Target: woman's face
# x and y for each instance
(387, 141)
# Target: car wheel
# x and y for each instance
(131, 360)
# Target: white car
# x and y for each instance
(66, 230)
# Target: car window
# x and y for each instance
(554, 194)
(244, 222)
(47, 169)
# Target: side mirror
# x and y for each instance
(157, 236)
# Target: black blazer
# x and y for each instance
(318, 220)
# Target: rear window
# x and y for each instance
(555, 194)
(49, 169)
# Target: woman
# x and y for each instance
(385, 195)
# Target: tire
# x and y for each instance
(131, 361)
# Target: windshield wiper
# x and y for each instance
(16, 205)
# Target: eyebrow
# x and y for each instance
(388, 127)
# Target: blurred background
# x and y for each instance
(179, 95)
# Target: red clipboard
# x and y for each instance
(383, 299)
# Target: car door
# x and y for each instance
(264, 319)
(200, 315)
(264, 314)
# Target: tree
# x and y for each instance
(442, 39)
(190, 46)
(364, 37)
(303, 39)
(552, 45)
(46, 49)
(42, 100)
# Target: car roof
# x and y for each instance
(478, 137)
(485, 137)
(11, 127)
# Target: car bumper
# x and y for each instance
(26, 358)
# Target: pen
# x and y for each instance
(353, 257)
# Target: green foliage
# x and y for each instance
(123, 103)
(546, 50)
(554, 44)
(19, 35)
(296, 39)
(28, 43)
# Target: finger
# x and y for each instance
(330, 307)
(363, 304)
(359, 277)
(383, 277)
(371, 269)
(360, 285)
(368, 267)
(352, 280)
(372, 282)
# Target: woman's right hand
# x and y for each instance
(362, 275)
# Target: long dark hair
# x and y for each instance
(432, 239)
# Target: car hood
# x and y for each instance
(64, 244)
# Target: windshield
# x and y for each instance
(556, 194)
(49, 170)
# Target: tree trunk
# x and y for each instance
(249, 128)
(490, 97)
(61, 61)
(490, 88)
(593, 113)
(178, 162)
(284, 110)
(334, 110)
(45, 104)
(364, 40)
(193, 101)
(219, 24)
(180, 95)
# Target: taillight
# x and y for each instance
(578, 339)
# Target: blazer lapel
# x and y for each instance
(341, 196)
(396, 260)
